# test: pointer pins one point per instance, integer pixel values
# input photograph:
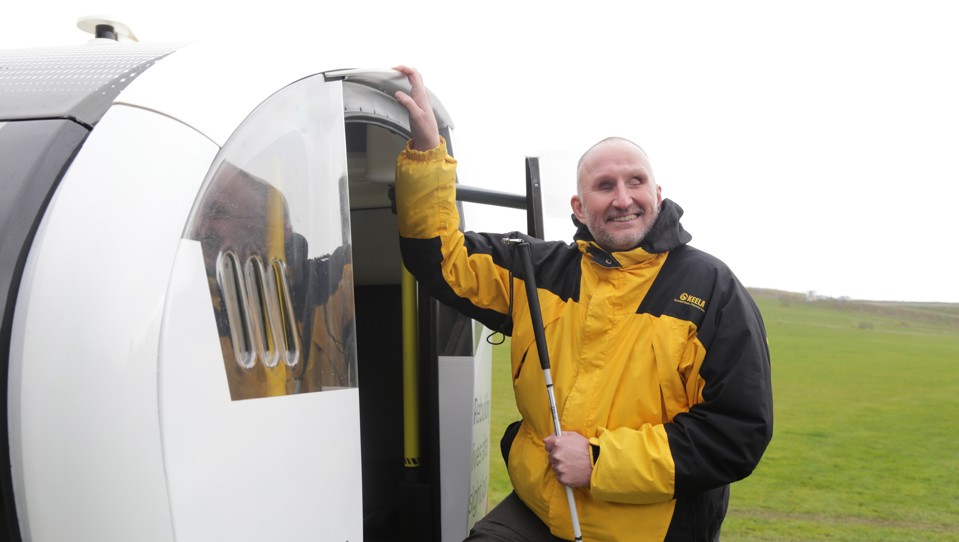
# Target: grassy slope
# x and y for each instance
(502, 413)
(867, 425)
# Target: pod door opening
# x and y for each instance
(397, 499)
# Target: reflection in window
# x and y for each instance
(270, 222)
(290, 338)
(264, 312)
(230, 280)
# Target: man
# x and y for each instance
(659, 358)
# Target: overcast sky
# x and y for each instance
(812, 144)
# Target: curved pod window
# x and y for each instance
(272, 219)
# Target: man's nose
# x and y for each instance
(622, 197)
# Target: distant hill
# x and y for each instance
(939, 314)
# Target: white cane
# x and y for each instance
(540, 334)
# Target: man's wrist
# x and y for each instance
(435, 153)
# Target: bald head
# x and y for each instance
(614, 141)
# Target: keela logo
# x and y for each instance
(692, 301)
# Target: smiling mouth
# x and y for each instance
(624, 218)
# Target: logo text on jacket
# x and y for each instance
(692, 301)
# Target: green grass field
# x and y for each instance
(866, 444)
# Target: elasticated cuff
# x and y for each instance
(436, 153)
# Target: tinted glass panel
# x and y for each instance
(273, 223)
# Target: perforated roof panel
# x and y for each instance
(76, 83)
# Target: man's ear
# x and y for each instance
(577, 204)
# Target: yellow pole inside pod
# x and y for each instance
(411, 392)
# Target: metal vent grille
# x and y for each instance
(78, 82)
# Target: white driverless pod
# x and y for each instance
(202, 294)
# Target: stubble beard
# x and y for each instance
(613, 242)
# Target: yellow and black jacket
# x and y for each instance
(658, 356)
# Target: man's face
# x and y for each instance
(618, 197)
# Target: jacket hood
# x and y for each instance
(666, 234)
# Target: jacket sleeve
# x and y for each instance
(722, 438)
(463, 270)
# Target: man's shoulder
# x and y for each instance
(690, 264)
(688, 284)
(689, 255)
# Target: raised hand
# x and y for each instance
(426, 135)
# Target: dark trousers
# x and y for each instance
(511, 521)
